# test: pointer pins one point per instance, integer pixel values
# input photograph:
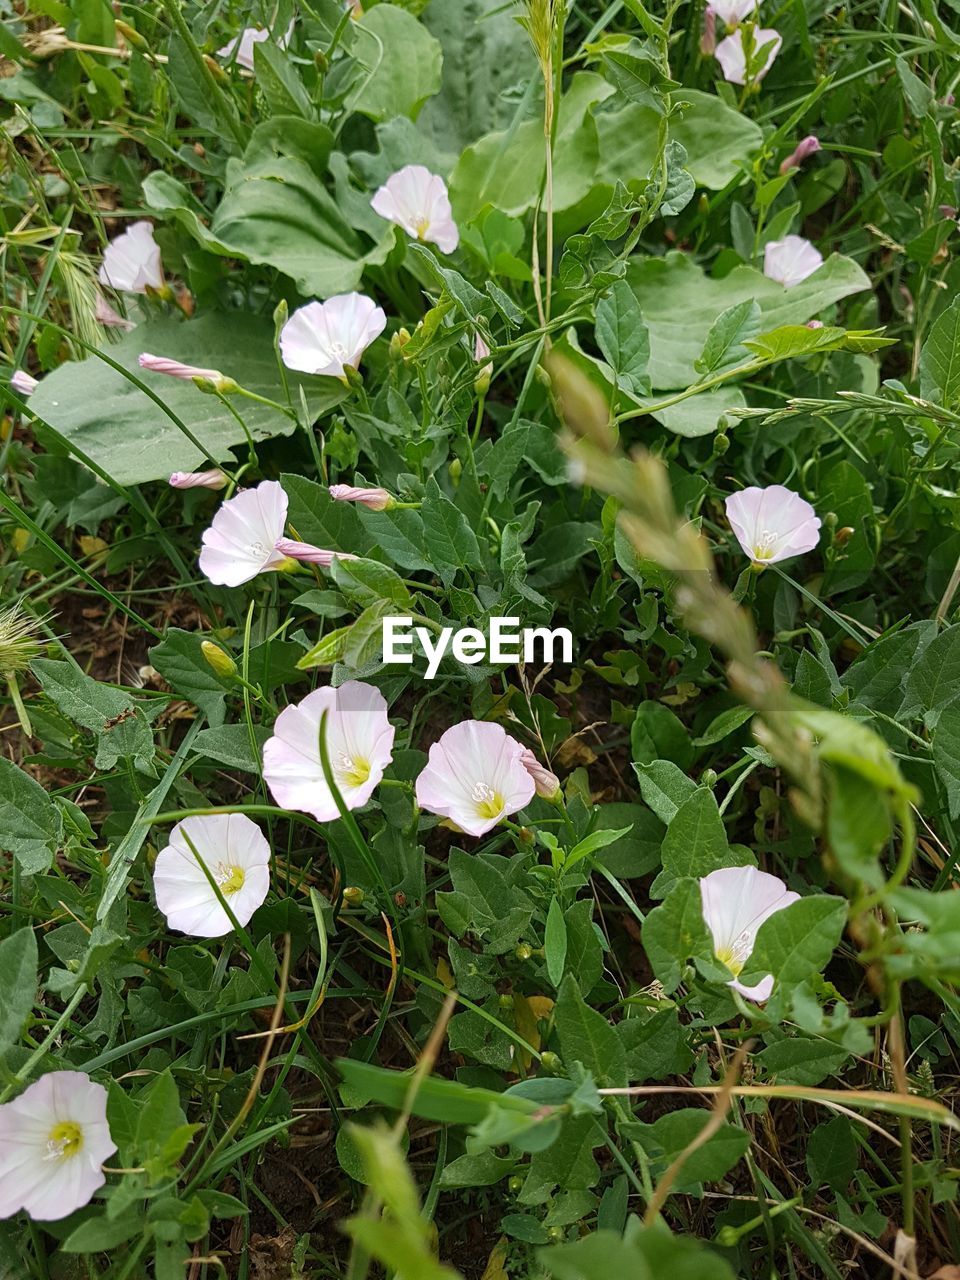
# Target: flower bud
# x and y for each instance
(21, 381)
(843, 536)
(218, 659)
(721, 443)
(547, 784)
(372, 499)
(213, 479)
(353, 895)
(130, 34)
(397, 342)
(550, 1062)
(505, 1000)
(481, 383)
(215, 69)
(523, 951)
(455, 470)
(805, 148)
(321, 62)
(708, 778)
(708, 40)
(281, 313)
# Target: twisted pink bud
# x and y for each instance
(804, 148)
(214, 479)
(308, 553)
(374, 499)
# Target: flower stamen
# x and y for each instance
(64, 1141)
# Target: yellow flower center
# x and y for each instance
(735, 954)
(422, 225)
(230, 879)
(64, 1141)
(353, 771)
(764, 547)
(489, 803)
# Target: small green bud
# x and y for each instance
(455, 471)
(505, 1001)
(321, 62)
(218, 659)
(721, 443)
(130, 34)
(353, 895)
(708, 778)
(398, 342)
(556, 1234)
(550, 1062)
(523, 951)
(728, 1237)
(830, 520)
(514, 1183)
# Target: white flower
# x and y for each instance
(417, 200)
(330, 337)
(359, 743)
(735, 902)
(475, 776)
(245, 43)
(53, 1139)
(790, 260)
(21, 381)
(131, 262)
(241, 541)
(733, 63)
(732, 11)
(772, 524)
(237, 856)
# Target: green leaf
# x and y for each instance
(798, 941)
(402, 60)
(555, 942)
(130, 436)
(696, 843)
(112, 714)
(446, 1101)
(672, 1134)
(940, 359)
(278, 81)
(179, 659)
(31, 825)
(681, 303)
(802, 1062)
(329, 649)
(675, 931)
(648, 1253)
(664, 787)
(724, 345)
(367, 581)
(229, 745)
(453, 544)
(586, 1037)
(832, 1154)
(622, 337)
(657, 734)
(858, 827)
(18, 984)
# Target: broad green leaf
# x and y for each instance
(798, 941)
(179, 659)
(664, 787)
(130, 436)
(328, 651)
(696, 843)
(403, 63)
(680, 303)
(673, 1134)
(555, 942)
(724, 345)
(832, 1154)
(115, 717)
(858, 826)
(366, 581)
(447, 1101)
(279, 82)
(801, 1061)
(229, 745)
(648, 1253)
(622, 337)
(31, 825)
(18, 984)
(587, 1037)
(940, 359)
(453, 544)
(657, 734)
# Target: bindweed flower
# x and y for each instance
(22, 382)
(732, 58)
(735, 903)
(708, 38)
(790, 260)
(475, 776)
(733, 12)
(237, 857)
(309, 554)
(53, 1139)
(417, 200)
(547, 783)
(806, 147)
(244, 44)
(359, 745)
(187, 372)
(330, 337)
(772, 524)
(372, 499)
(131, 262)
(242, 540)
(481, 383)
(213, 479)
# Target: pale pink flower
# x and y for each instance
(732, 59)
(53, 1140)
(708, 38)
(235, 853)
(417, 200)
(805, 147)
(330, 337)
(814, 324)
(732, 12)
(105, 314)
(735, 903)
(772, 524)
(22, 382)
(359, 745)
(475, 776)
(790, 260)
(481, 351)
(546, 783)
(131, 262)
(241, 542)
(310, 554)
(245, 43)
(174, 368)
(213, 479)
(372, 499)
